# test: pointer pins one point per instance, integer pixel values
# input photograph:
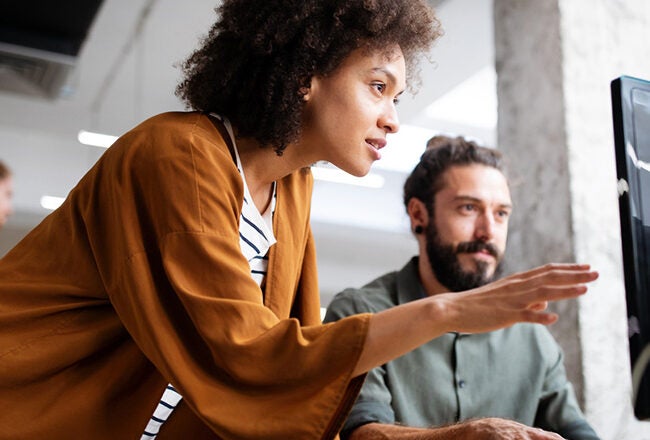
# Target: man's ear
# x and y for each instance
(418, 214)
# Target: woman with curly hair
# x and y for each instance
(174, 293)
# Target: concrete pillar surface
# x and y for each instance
(555, 60)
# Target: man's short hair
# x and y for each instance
(443, 152)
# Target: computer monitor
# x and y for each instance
(631, 116)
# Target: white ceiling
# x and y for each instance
(126, 72)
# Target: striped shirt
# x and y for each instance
(255, 239)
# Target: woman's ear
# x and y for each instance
(311, 87)
(304, 91)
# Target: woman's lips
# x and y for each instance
(376, 145)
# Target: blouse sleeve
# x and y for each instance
(164, 226)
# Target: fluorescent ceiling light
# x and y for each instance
(51, 202)
(95, 139)
(473, 102)
(337, 176)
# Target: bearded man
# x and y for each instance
(506, 384)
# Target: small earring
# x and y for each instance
(418, 229)
(305, 93)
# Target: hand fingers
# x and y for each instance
(537, 300)
(496, 428)
(540, 434)
(559, 277)
(556, 277)
(535, 310)
(538, 317)
(556, 293)
(551, 267)
(539, 306)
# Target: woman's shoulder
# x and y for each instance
(172, 133)
(180, 123)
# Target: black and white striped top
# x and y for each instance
(255, 239)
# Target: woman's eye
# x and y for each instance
(380, 87)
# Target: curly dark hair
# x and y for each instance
(443, 152)
(259, 57)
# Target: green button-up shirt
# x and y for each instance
(515, 373)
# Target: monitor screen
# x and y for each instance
(631, 115)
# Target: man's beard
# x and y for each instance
(446, 266)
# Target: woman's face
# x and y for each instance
(350, 111)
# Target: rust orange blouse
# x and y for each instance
(137, 280)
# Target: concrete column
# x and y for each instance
(554, 61)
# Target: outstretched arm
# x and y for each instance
(478, 429)
(521, 297)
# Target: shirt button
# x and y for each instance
(461, 384)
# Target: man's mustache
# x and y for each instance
(470, 247)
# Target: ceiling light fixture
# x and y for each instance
(480, 90)
(51, 202)
(95, 139)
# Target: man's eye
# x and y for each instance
(467, 207)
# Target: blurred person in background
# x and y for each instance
(6, 193)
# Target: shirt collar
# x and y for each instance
(409, 287)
